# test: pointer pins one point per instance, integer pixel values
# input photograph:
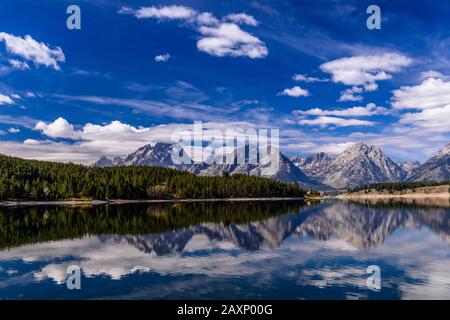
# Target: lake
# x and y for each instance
(237, 250)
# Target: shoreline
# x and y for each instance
(122, 201)
(394, 196)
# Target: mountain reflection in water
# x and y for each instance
(250, 250)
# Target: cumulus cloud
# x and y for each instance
(359, 111)
(228, 39)
(241, 18)
(305, 78)
(91, 141)
(162, 57)
(217, 37)
(295, 92)
(338, 122)
(60, 128)
(4, 99)
(31, 50)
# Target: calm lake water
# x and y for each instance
(255, 250)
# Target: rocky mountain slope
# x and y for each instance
(359, 165)
(437, 168)
(313, 165)
(409, 167)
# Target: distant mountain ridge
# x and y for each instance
(160, 155)
(357, 165)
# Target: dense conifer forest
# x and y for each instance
(39, 180)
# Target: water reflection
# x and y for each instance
(227, 250)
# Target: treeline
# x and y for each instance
(40, 180)
(398, 186)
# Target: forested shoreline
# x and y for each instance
(22, 179)
(398, 186)
(19, 226)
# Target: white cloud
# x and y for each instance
(432, 74)
(359, 111)
(162, 57)
(13, 130)
(218, 38)
(365, 70)
(338, 122)
(125, 10)
(295, 92)
(206, 19)
(430, 120)
(370, 87)
(49, 151)
(228, 39)
(431, 98)
(165, 12)
(35, 142)
(17, 120)
(4, 99)
(20, 65)
(431, 93)
(333, 148)
(60, 128)
(29, 49)
(241, 18)
(352, 94)
(92, 141)
(305, 78)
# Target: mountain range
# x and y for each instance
(357, 165)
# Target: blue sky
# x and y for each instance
(139, 70)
